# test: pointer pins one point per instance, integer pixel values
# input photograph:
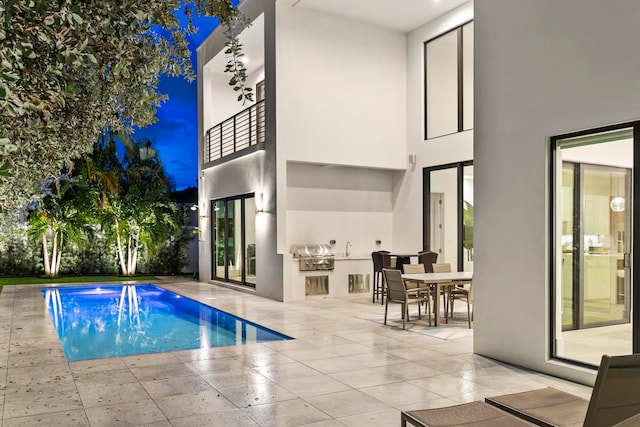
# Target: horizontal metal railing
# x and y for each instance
(235, 133)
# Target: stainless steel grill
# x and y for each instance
(313, 257)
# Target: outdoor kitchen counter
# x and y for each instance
(357, 268)
(341, 257)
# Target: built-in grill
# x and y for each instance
(313, 257)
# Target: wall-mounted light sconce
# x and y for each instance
(194, 207)
(412, 161)
(259, 202)
(203, 210)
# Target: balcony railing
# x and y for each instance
(236, 133)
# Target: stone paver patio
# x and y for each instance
(345, 368)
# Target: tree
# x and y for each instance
(139, 212)
(63, 215)
(69, 71)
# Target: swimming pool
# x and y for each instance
(95, 322)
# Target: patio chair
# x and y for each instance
(615, 401)
(425, 292)
(397, 292)
(615, 398)
(455, 292)
(476, 414)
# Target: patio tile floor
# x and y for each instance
(344, 368)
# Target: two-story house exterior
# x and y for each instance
(469, 128)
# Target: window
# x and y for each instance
(449, 82)
(234, 240)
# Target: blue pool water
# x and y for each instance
(95, 322)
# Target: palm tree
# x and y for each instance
(139, 213)
(63, 215)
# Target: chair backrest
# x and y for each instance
(427, 258)
(616, 392)
(396, 290)
(377, 261)
(381, 259)
(445, 267)
(414, 268)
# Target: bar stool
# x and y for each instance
(381, 259)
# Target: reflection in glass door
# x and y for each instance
(593, 246)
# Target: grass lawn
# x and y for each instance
(4, 281)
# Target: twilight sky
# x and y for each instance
(175, 134)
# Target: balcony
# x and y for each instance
(236, 133)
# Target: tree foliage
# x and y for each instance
(139, 214)
(126, 205)
(63, 216)
(70, 70)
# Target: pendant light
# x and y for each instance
(617, 203)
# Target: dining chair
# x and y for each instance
(456, 291)
(397, 292)
(427, 258)
(425, 291)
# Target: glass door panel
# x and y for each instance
(603, 301)
(593, 228)
(219, 233)
(250, 240)
(234, 244)
(444, 237)
(467, 218)
(568, 249)
(449, 201)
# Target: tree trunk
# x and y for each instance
(134, 263)
(123, 266)
(129, 251)
(45, 256)
(56, 262)
(54, 255)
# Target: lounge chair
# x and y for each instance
(615, 399)
(476, 414)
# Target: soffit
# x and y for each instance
(398, 15)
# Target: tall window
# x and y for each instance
(449, 82)
(233, 240)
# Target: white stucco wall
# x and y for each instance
(341, 90)
(407, 214)
(341, 100)
(542, 68)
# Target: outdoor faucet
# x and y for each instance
(346, 252)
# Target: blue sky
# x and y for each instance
(175, 134)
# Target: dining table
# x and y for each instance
(440, 281)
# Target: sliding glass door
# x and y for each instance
(233, 240)
(593, 212)
(448, 213)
